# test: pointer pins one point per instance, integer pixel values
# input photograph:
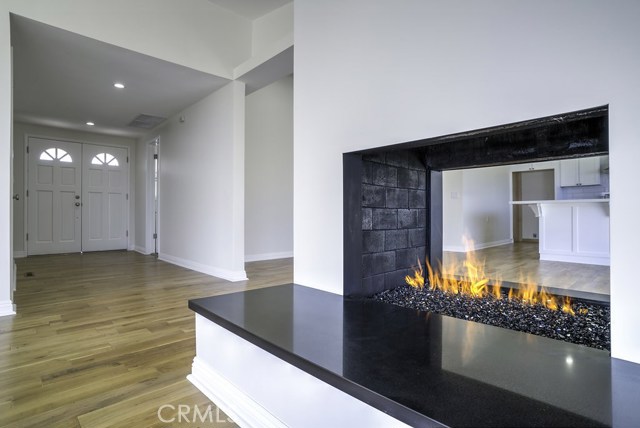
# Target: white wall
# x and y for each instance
(487, 214)
(201, 202)
(269, 172)
(402, 71)
(7, 274)
(272, 28)
(452, 215)
(20, 133)
(475, 205)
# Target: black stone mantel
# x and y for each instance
(425, 369)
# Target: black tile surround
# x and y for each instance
(427, 370)
(394, 215)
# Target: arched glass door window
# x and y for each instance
(55, 153)
(105, 159)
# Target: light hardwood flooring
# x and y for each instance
(105, 339)
(511, 262)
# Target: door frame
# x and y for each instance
(150, 200)
(516, 195)
(516, 224)
(28, 135)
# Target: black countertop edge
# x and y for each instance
(380, 402)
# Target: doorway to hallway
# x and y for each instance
(533, 185)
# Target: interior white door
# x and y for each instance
(105, 182)
(54, 190)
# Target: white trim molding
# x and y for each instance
(7, 308)
(477, 246)
(268, 256)
(576, 258)
(233, 402)
(229, 275)
(19, 254)
(141, 250)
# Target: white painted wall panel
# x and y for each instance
(7, 275)
(67, 216)
(453, 217)
(592, 229)
(202, 185)
(269, 172)
(476, 206)
(557, 228)
(44, 201)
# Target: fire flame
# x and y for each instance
(475, 283)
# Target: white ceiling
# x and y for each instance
(63, 79)
(250, 9)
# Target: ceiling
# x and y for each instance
(250, 9)
(64, 80)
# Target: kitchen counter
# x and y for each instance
(573, 230)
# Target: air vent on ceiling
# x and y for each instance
(146, 121)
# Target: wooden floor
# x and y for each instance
(106, 339)
(511, 262)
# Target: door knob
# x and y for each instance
(77, 204)
(16, 197)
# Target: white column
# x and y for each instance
(6, 225)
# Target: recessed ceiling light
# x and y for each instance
(119, 85)
(90, 123)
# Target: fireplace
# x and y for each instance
(393, 195)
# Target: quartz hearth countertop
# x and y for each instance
(420, 367)
(560, 201)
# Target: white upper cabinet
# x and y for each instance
(580, 172)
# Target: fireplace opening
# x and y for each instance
(416, 201)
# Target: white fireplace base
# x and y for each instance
(257, 389)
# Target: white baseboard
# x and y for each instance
(141, 250)
(19, 254)
(7, 308)
(14, 280)
(232, 401)
(268, 256)
(477, 246)
(574, 258)
(229, 275)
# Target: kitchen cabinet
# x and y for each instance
(580, 172)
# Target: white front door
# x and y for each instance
(105, 182)
(54, 197)
(77, 197)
